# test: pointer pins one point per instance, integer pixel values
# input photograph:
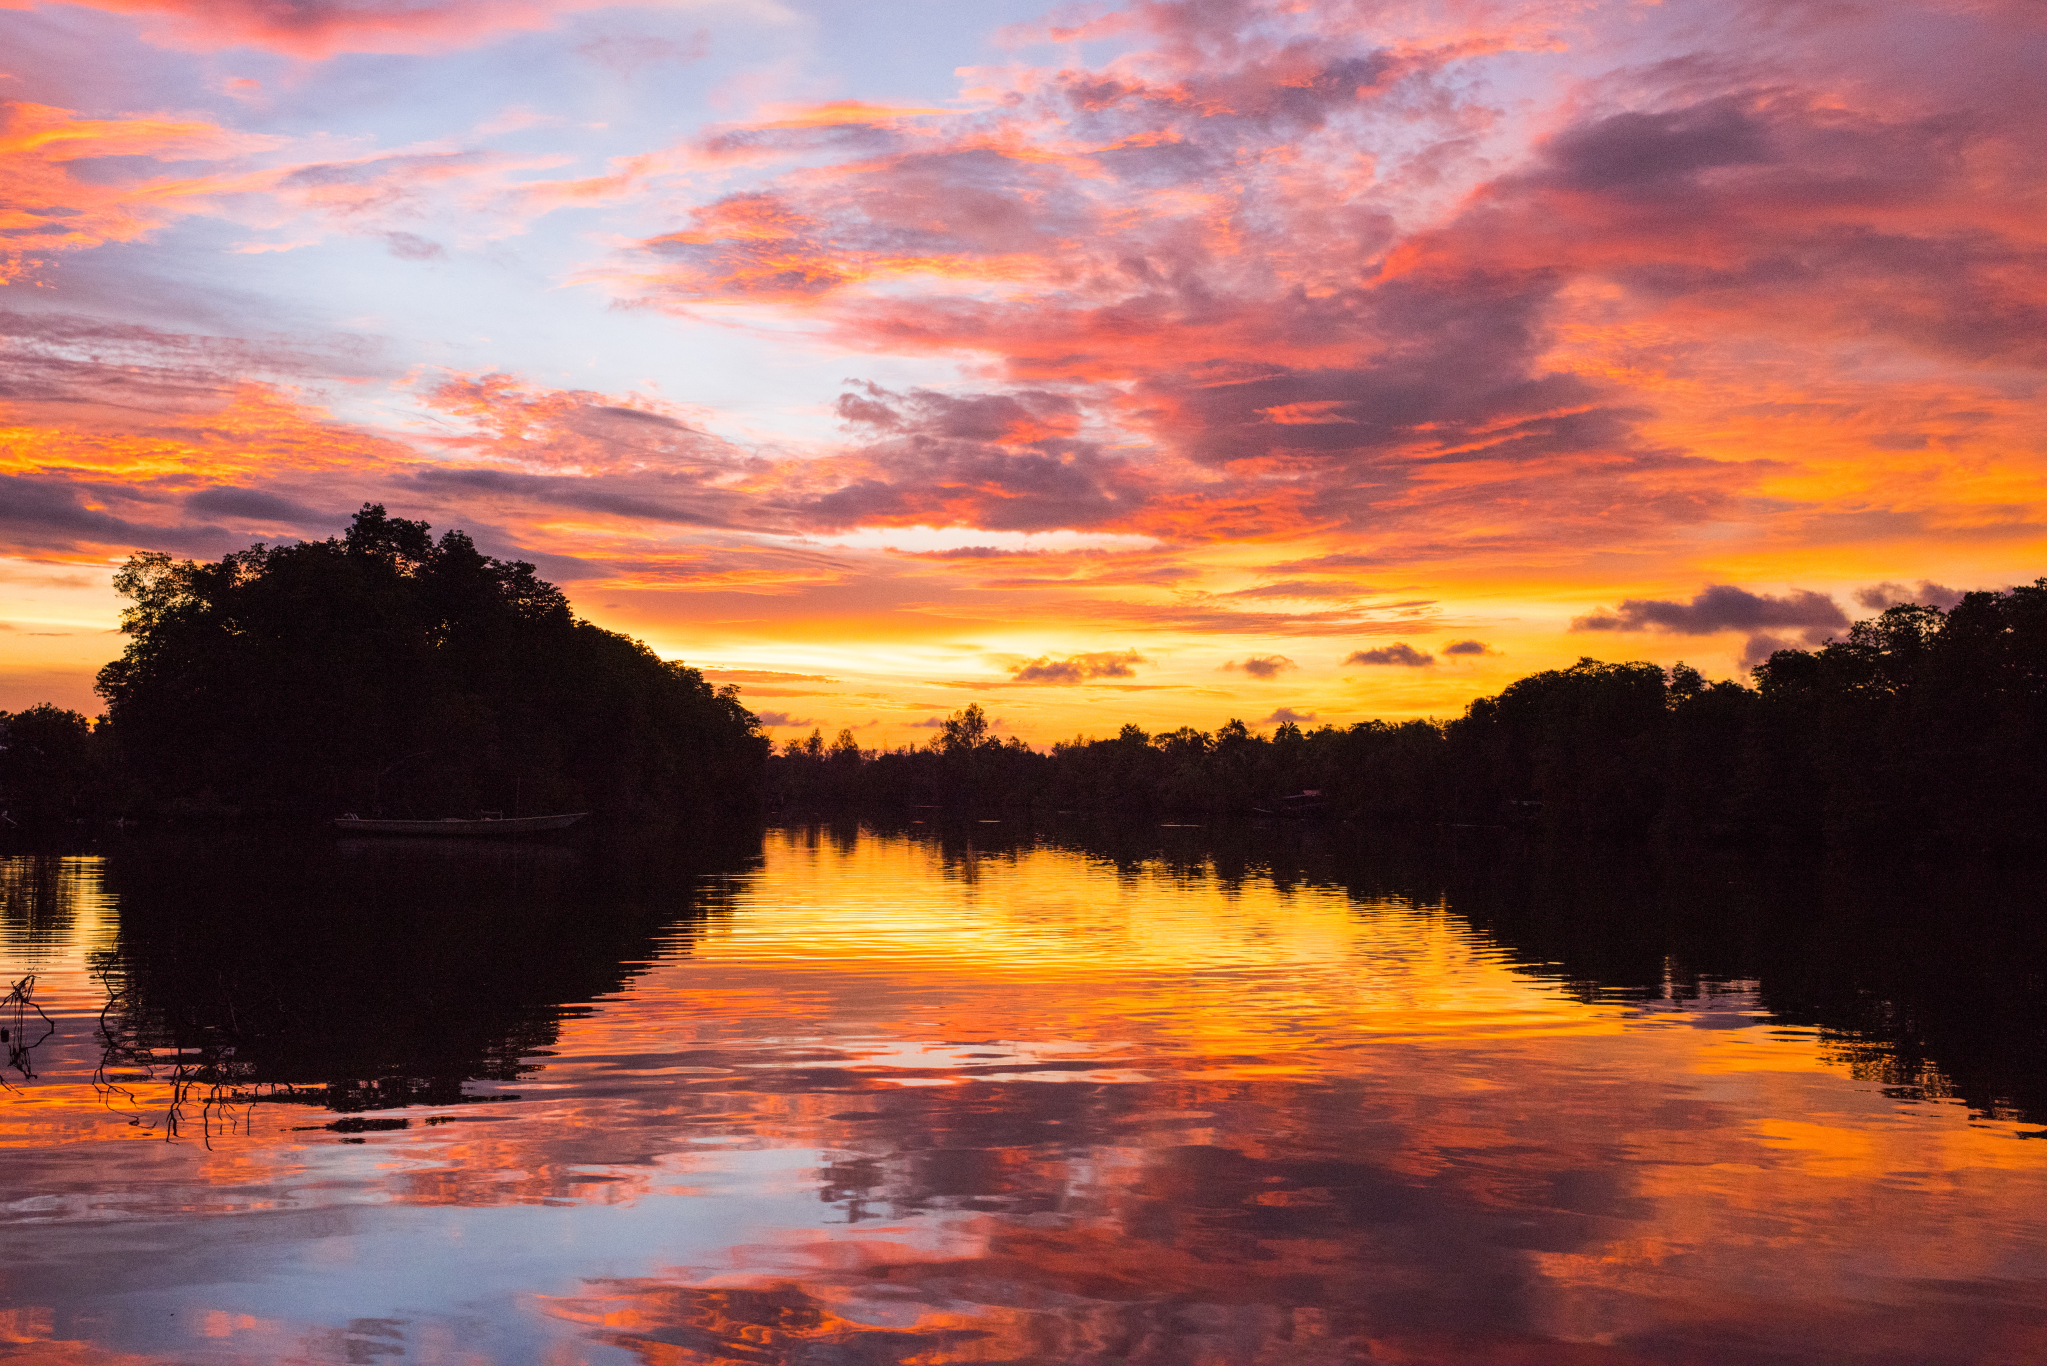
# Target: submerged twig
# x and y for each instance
(205, 1075)
(14, 1011)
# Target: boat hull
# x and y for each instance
(509, 825)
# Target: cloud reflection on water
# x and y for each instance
(987, 1099)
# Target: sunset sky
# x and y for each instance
(1162, 362)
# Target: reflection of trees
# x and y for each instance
(364, 975)
(38, 897)
(1304, 1224)
(1931, 982)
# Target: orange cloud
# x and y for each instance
(87, 483)
(45, 206)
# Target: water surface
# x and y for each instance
(905, 1097)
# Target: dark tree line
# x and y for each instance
(386, 671)
(54, 767)
(382, 671)
(1922, 728)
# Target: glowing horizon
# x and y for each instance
(1161, 363)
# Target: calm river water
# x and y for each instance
(904, 1096)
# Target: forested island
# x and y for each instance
(384, 671)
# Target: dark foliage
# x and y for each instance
(1920, 724)
(368, 974)
(54, 766)
(1922, 729)
(385, 671)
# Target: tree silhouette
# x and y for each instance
(303, 679)
(1920, 729)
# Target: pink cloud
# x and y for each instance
(317, 29)
(1015, 461)
(1259, 348)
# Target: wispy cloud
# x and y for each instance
(52, 208)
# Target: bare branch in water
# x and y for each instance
(15, 1026)
(207, 1075)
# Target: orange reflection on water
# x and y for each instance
(889, 1100)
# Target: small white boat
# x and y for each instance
(456, 825)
